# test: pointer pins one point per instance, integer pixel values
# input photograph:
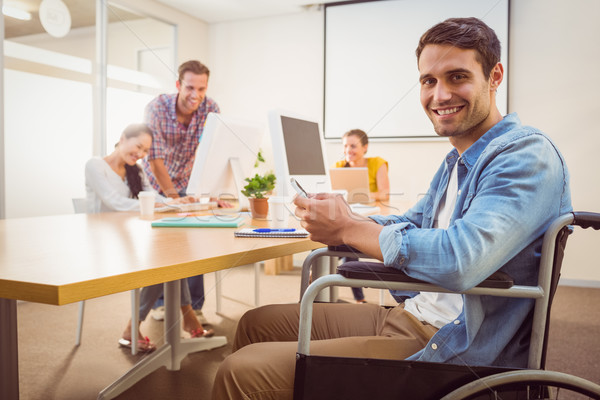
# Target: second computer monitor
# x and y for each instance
(225, 156)
(298, 153)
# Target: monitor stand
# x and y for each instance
(238, 177)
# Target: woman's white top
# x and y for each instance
(107, 191)
(439, 309)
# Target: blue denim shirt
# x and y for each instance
(513, 183)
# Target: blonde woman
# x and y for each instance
(356, 144)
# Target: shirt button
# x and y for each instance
(459, 192)
(402, 260)
(434, 346)
(456, 322)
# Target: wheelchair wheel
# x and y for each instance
(528, 384)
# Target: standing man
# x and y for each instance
(177, 121)
(487, 208)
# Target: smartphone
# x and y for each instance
(298, 188)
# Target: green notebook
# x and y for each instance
(209, 221)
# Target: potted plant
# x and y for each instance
(257, 190)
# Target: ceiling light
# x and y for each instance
(16, 13)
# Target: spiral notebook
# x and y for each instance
(265, 232)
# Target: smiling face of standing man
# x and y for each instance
(192, 90)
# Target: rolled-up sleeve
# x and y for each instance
(394, 244)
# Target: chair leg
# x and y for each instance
(256, 284)
(135, 312)
(218, 289)
(80, 322)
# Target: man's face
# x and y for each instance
(192, 90)
(455, 94)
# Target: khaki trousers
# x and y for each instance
(263, 361)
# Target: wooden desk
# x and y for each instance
(64, 259)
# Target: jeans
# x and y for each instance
(196, 288)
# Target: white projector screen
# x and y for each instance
(371, 75)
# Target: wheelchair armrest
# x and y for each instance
(378, 271)
(347, 249)
(343, 247)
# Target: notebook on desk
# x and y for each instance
(353, 180)
(270, 233)
(205, 221)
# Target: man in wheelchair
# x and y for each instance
(487, 209)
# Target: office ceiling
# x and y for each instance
(83, 12)
(213, 11)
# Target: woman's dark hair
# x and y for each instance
(133, 173)
(465, 33)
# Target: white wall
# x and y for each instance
(192, 33)
(277, 62)
(261, 64)
(554, 60)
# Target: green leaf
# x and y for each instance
(259, 185)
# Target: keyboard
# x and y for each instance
(364, 209)
(187, 207)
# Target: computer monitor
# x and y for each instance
(225, 156)
(298, 152)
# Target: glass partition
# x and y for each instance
(49, 87)
(141, 65)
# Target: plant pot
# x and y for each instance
(259, 208)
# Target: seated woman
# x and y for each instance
(356, 143)
(113, 184)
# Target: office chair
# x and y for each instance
(80, 207)
(319, 377)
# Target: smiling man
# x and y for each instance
(177, 121)
(487, 208)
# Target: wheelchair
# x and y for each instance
(321, 377)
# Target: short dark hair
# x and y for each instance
(193, 66)
(360, 134)
(465, 33)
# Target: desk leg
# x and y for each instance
(9, 346)
(171, 353)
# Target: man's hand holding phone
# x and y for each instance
(299, 189)
(329, 220)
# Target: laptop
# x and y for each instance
(353, 180)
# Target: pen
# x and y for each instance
(262, 230)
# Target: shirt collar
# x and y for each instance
(471, 155)
(172, 103)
